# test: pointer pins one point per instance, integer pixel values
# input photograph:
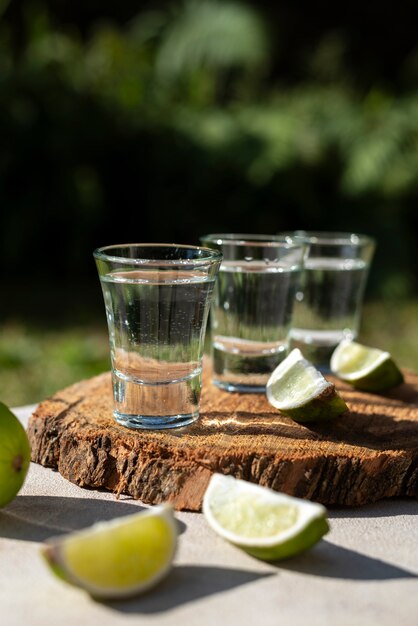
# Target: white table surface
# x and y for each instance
(364, 572)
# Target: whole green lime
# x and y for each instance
(14, 455)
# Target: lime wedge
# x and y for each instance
(366, 368)
(300, 391)
(264, 523)
(119, 558)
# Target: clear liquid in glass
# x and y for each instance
(327, 308)
(251, 318)
(157, 322)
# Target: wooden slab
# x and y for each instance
(367, 454)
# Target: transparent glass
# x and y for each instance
(252, 308)
(157, 298)
(328, 305)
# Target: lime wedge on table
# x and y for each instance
(367, 368)
(119, 558)
(264, 523)
(299, 390)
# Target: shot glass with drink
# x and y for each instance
(157, 299)
(328, 304)
(252, 308)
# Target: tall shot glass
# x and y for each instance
(157, 299)
(329, 303)
(252, 308)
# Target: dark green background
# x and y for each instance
(260, 117)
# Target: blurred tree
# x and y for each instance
(207, 115)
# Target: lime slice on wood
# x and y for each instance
(14, 455)
(119, 558)
(300, 391)
(264, 523)
(366, 368)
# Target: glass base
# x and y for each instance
(156, 405)
(317, 346)
(239, 388)
(154, 422)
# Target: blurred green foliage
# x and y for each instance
(171, 124)
(36, 362)
(182, 118)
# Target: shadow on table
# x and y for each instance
(192, 582)
(36, 518)
(187, 583)
(331, 561)
(389, 507)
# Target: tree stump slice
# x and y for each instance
(369, 453)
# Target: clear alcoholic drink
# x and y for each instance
(328, 306)
(251, 318)
(156, 325)
(157, 299)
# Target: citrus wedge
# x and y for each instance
(300, 391)
(119, 558)
(264, 523)
(14, 455)
(366, 368)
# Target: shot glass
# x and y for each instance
(157, 299)
(252, 308)
(328, 305)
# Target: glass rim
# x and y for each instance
(330, 238)
(245, 239)
(209, 257)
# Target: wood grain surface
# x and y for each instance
(369, 453)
